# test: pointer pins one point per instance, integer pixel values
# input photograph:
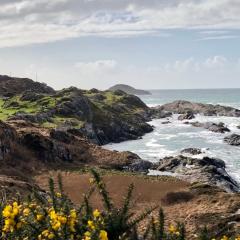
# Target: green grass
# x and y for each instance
(7, 109)
(57, 121)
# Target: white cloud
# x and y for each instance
(97, 65)
(25, 21)
(96, 68)
(191, 65)
(216, 62)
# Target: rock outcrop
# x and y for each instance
(158, 113)
(102, 117)
(213, 127)
(10, 86)
(186, 116)
(233, 140)
(183, 107)
(192, 151)
(206, 171)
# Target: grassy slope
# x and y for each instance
(102, 108)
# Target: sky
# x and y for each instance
(149, 44)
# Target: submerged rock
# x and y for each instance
(166, 122)
(233, 140)
(207, 170)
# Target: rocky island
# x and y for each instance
(128, 89)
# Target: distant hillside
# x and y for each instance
(129, 90)
(10, 86)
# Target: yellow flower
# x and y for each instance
(58, 195)
(7, 211)
(172, 229)
(39, 217)
(45, 233)
(26, 211)
(91, 224)
(103, 235)
(96, 213)
(87, 234)
(73, 213)
(56, 225)
(51, 236)
(224, 238)
(15, 204)
(62, 219)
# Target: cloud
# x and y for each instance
(191, 65)
(216, 35)
(25, 22)
(216, 62)
(96, 67)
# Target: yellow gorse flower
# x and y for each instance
(10, 214)
(103, 235)
(172, 229)
(96, 213)
(224, 238)
(91, 225)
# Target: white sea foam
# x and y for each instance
(170, 139)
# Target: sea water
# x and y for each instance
(170, 139)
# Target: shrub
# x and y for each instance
(177, 197)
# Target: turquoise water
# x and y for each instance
(170, 139)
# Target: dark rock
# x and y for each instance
(213, 127)
(93, 90)
(207, 170)
(31, 96)
(98, 97)
(10, 86)
(158, 113)
(166, 122)
(46, 149)
(192, 151)
(7, 135)
(183, 107)
(139, 166)
(233, 140)
(119, 93)
(186, 116)
(118, 119)
(61, 136)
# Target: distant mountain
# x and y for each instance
(10, 86)
(129, 90)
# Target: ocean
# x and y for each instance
(170, 139)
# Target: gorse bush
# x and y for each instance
(54, 216)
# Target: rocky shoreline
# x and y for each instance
(65, 128)
(205, 170)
